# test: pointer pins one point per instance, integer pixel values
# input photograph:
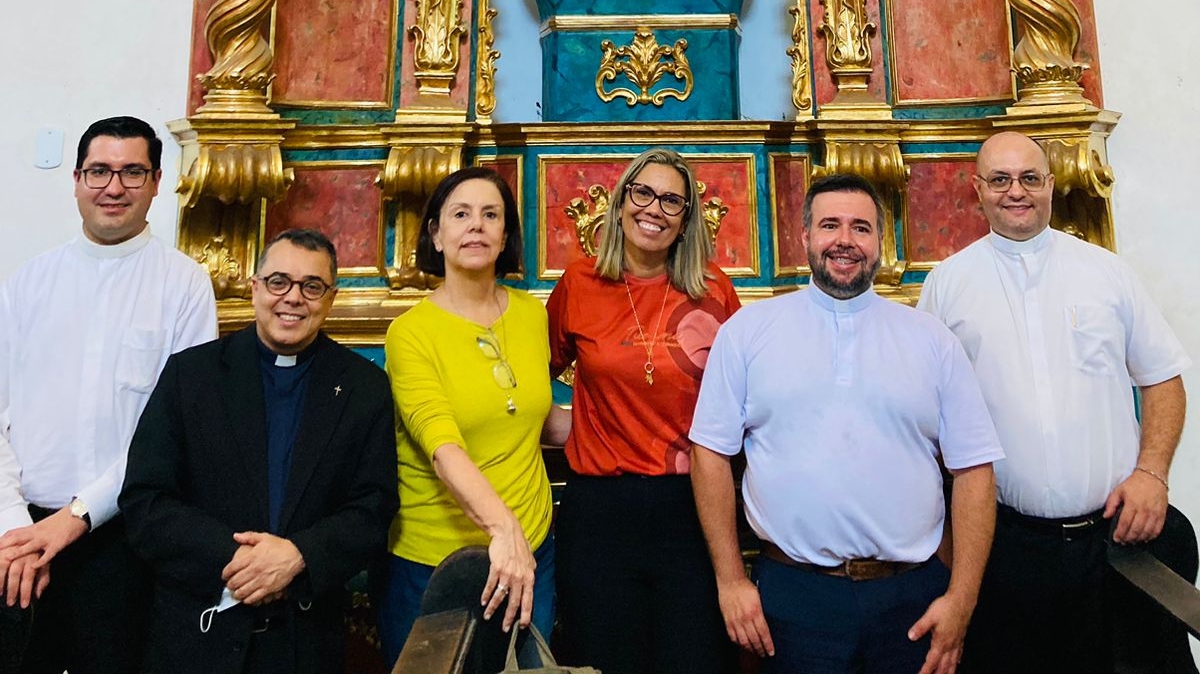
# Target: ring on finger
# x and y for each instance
(502, 589)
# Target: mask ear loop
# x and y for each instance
(206, 618)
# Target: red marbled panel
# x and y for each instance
(732, 181)
(943, 210)
(351, 42)
(341, 202)
(509, 169)
(826, 88)
(567, 179)
(1088, 53)
(201, 57)
(950, 49)
(791, 185)
(409, 94)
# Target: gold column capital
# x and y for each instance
(236, 85)
(1044, 58)
(848, 53)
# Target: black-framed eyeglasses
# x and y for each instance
(279, 283)
(642, 196)
(502, 372)
(131, 177)
(1002, 182)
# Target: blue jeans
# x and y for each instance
(826, 625)
(404, 584)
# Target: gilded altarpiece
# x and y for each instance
(343, 116)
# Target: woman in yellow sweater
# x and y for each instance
(469, 367)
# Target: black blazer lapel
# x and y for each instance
(324, 401)
(246, 412)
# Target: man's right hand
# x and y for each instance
(23, 580)
(744, 620)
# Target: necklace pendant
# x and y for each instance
(649, 367)
(512, 407)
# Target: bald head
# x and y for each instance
(1019, 211)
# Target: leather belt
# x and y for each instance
(1069, 528)
(853, 569)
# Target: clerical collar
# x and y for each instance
(850, 306)
(102, 251)
(1030, 245)
(269, 357)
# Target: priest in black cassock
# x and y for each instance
(262, 477)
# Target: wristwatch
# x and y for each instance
(78, 509)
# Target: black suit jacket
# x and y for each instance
(197, 473)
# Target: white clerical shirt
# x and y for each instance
(843, 407)
(1059, 330)
(85, 330)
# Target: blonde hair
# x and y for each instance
(688, 256)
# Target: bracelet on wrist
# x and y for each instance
(1154, 475)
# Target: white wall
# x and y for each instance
(67, 64)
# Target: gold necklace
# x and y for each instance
(649, 346)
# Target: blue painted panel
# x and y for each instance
(551, 8)
(570, 61)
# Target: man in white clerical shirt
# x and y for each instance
(85, 330)
(1059, 331)
(846, 405)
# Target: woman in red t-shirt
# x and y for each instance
(635, 585)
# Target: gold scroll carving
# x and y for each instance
(231, 158)
(848, 52)
(588, 219)
(801, 98)
(408, 178)
(1044, 58)
(485, 64)
(644, 62)
(1083, 184)
(437, 33)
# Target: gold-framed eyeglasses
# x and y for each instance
(502, 372)
(642, 196)
(1030, 181)
(131, 177)
(279, 283)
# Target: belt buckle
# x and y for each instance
(1069, 529)
(263, 627)
(860, 569)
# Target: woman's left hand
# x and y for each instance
(511, 575)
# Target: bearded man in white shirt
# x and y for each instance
(85, 330)
(1059, 331)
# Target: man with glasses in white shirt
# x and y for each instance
(1059, 331)
(85, 330)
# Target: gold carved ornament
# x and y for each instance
(242, 57)
(588, 219)
(409, 177)
(801, 98)
(437, 32)
(1083, 184)
(1044, 58)
(644, 62)
(485, 64)
(847, 34)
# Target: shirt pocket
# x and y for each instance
(1097, 339)
(138, 361)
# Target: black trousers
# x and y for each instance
(636, 589)
(92, 618)
(1050, 603)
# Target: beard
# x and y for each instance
(843, 290)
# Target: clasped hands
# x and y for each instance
(26, 552)
(262, 568)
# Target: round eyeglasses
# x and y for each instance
(279, 283)
(131, 177)
(1002, 182)
(502, 373)
(642, 196)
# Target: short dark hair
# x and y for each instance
(308, 239)
(842, 182)
(431, 261)
(121, 127)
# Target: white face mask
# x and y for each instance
(206, 616)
